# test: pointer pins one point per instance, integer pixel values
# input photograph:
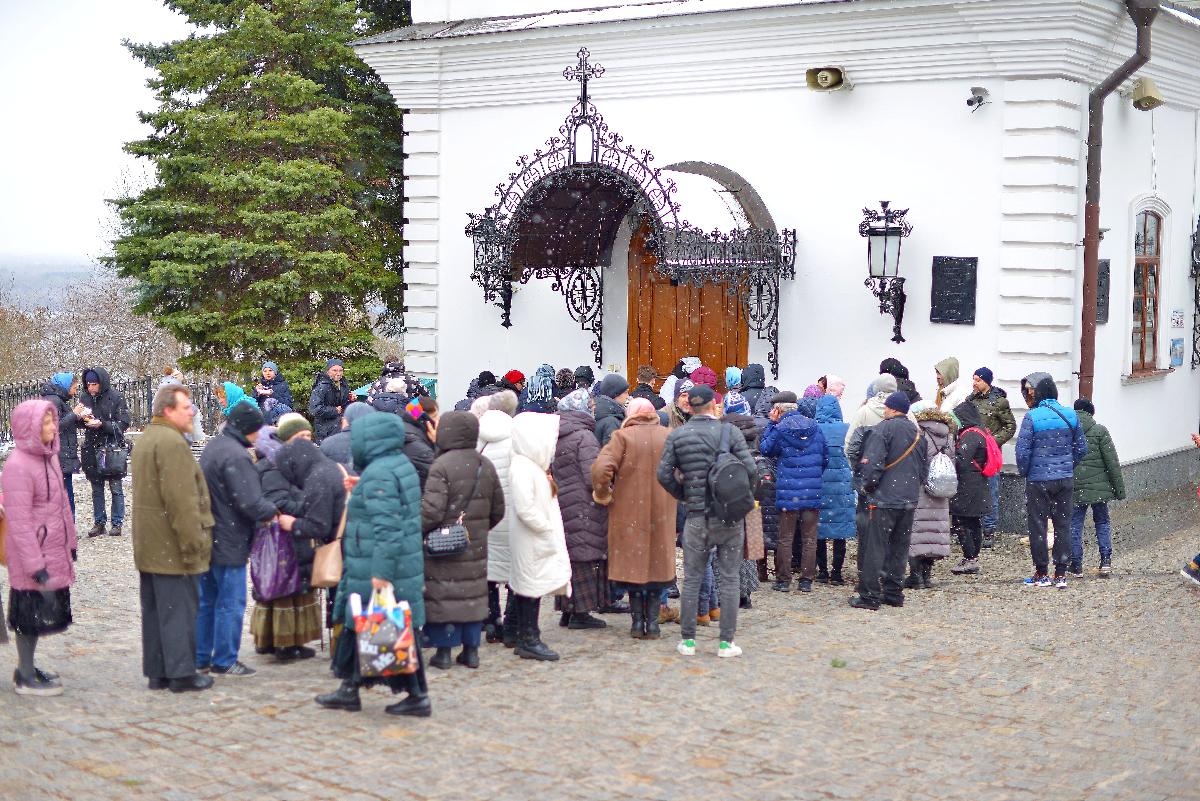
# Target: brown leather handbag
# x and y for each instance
(327, 560)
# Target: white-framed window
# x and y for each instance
(1147, 289)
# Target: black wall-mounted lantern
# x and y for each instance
(885, 231)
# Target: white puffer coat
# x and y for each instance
(540, 564)
(495, 432)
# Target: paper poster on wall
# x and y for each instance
(1177, 353)
(1177, 318)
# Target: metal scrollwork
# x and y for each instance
(890, 294)
(586, 153)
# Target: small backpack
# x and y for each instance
(995, 459)
(942, 481)
(730, 489)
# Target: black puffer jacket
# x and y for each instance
(585, 522)
(646, 391)
(754, 380)
(68, 426)
(456, 588)
(609, 416)
(235, 490)
(897, 487)
(109, 407)
(323, 405)
(765, 494)
(322, 494)
(390, 402)
(418, 447)
(692, 449)
(970, 455)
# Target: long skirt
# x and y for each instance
(589, 588)
(287, 622)
(34, 612)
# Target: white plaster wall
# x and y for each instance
(1155, 416)
(816, 160)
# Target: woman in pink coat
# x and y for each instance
(40, 543)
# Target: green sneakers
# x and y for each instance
(728, 649)
(686, 647)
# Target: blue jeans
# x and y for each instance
(69, 485)
(1103, 531)
(993, 516)
(219, 621)
(98, 502)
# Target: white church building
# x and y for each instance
(636, 182)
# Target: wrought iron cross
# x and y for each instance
(582, 72)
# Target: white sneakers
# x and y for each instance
(686, 647)
(726, 650)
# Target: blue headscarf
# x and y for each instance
(63, 381)
(733, 377)
(233, 396)
(541, 388)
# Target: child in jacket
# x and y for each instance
(1098, 480)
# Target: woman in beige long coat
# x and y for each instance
(641, 514)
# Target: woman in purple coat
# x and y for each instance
(40, 544)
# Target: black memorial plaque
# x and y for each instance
(952, 299)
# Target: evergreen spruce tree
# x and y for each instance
(273, 229)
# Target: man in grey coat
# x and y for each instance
(688, 454)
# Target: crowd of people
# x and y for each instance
(568, 486)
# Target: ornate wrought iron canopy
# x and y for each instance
(558, 214)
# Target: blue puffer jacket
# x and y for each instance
(1049, 447)
(798, 447)
(837, 486)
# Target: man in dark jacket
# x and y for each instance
(611, 397)
(1049, 447)
(60, 390)
(238, 507)
(272, 384)
(330, 396)
(997, 416)
(645, 389)
(893, 469)
(105, 416)
(689, 453)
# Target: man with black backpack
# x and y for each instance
(893, 467)
(707, 465)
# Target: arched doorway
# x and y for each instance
(669, 319)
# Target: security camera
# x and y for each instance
(1145, 95)
(978, 98)
(826, 79)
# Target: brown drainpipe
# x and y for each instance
(1142, 12)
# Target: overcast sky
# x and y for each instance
(69, 96)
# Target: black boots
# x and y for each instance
(577, 622)
(512, 623)
(344, 697)
(469, 657)
(415, 705)
(96, 530)
(913, 582)
(637, 612)
(441, 660)
(529, 636)
(927, 574)
(650, 614)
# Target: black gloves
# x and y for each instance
(74, 555)
(41, 577)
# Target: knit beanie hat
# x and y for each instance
(985, 375)
(292, 424)
(893, 367)
(564, 379)
(514, 376)
(244, 417)
(63, 381)
(736, 404)
(684, 385)
(334, 363)
(273, 366)
(91, 377)
(1084, 405)
(612, 385)
(584, 374)
(897, 402)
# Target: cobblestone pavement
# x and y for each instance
(978, 689)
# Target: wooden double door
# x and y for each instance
(668, 322)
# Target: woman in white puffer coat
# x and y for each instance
(540, 562)
(495, 442)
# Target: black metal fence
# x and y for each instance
(138, 394)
